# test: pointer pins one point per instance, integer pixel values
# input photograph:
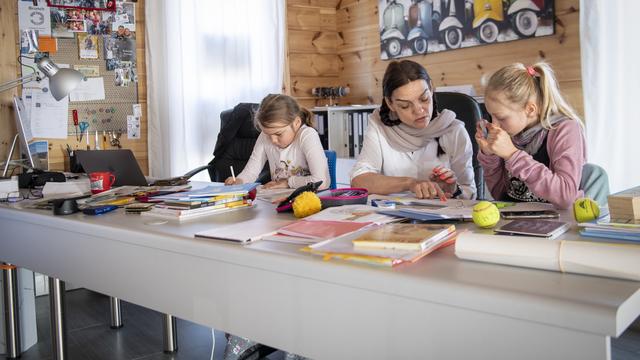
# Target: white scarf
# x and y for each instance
(405, 138)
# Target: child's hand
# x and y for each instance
(230, 181)
(427, 190)
(280, 184)
(499, 142)
(445, 178)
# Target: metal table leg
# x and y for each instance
(11, 314)
(58, 324)
(170, 334)
(116, 313)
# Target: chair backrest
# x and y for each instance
(595, 183)
(468, 111)
(235, 143)
(331, 160)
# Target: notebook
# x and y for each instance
(120, 162)
(534, 227)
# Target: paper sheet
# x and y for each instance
(48, 116)
(34, 17)
(133, 127)
(89, 90)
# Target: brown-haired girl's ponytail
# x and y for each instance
(306, 116)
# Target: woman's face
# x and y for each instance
(413, 103)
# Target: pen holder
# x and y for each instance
(74, 165)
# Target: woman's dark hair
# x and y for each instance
(400, 73)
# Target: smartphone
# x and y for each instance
(538, 214)
(483, 126)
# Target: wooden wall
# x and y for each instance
(9, 42)
(345, 50)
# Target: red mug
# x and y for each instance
(101, 181)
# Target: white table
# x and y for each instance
(438, 308)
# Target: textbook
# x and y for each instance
(208, 192)
(534, 227)
(404, 236)
(321, 229)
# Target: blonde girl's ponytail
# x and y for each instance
(306, 116)
(551, 102)
(278, 108)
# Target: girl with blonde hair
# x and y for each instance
(534, 148)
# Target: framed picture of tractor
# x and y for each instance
(417, 27)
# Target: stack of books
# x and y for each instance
(625, 205)
(388, 244)
(206, 201)
(612, 230)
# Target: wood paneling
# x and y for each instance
(357, 44)
(9, 69)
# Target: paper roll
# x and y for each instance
(575, 256)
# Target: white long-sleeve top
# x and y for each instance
(302, 162)
(379, 157)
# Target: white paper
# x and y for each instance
(88, 90)
(78, 187)
(34, 17)
(48, 117)
(137, 110)
(27, 98)
(133, 127)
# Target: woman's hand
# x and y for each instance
(279, 184)
(427, 190)
(498, 142)
(445, 178)
(230, 181)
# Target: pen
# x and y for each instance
(97, 141)
(233, 174)
(88, 141)
(104, 140)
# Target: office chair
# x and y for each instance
(234, 145)
(331, 160)
(468, 111)
(595, 183)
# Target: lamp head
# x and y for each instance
(61, 81)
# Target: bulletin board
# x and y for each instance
(109, 114)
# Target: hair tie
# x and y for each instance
(531, 71)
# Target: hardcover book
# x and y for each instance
(404, 236)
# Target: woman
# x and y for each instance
(409, 146)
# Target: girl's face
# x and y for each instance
(282, 134)
(413, 103)
(511, 117)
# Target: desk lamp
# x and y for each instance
(61, 81)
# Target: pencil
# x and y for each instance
(233, 174)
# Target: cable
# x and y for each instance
(213, 342)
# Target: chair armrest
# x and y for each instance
(195, 171)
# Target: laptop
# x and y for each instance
(120, 162)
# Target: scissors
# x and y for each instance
(83, 125)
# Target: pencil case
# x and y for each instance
(335, 197)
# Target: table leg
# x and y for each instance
(116, 313)
(170, 334)
(11, 314)
(58, 324)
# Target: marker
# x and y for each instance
(88, 141)
(233, 174)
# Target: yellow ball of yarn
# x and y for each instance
(305, 204)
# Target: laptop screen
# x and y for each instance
(121, 163)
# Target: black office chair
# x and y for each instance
(468, 111)
(235, 143)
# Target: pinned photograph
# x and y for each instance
(28, 41)
(88, 46)
(109, 5)
(59, 27)
(124, 16)
(75, 20)
(98, 22)
(109, 43)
